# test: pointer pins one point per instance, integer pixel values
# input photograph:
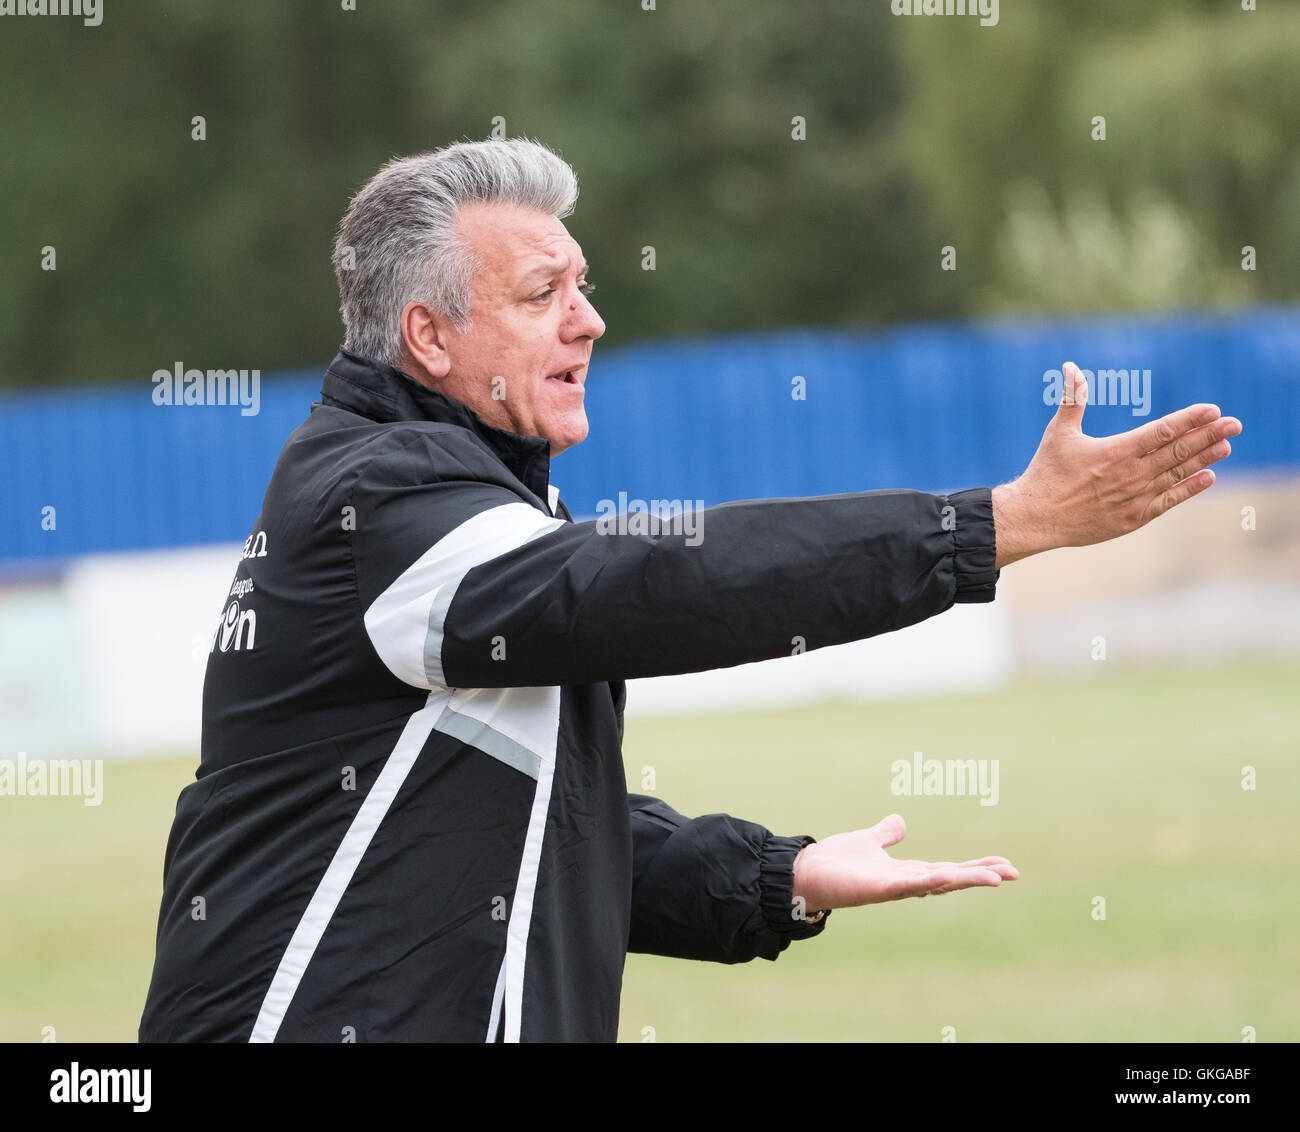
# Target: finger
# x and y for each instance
(1189, 444)
(921, 884)
(1179, 493)
(889, 831)
(954, 881)
(918, 882)
(1074, 397)
(1202, 459)
(939, 880)
(916, 872)
(1167, 429)
(982, 862)
(1000, 865)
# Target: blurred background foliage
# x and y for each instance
(921, 133)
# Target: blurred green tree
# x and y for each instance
(920, 133)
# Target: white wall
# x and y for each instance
(112, 658)
(110, 662)
(968, 648)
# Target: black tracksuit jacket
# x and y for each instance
(410, 820)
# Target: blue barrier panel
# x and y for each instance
(932, 407)
(935, 407)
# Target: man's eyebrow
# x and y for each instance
(551, 268)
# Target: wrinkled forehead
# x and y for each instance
(511, 243)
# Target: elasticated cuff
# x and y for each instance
(975, 545)
(776, 889)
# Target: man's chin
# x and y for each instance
(567, 436)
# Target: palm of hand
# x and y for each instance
(852, 869)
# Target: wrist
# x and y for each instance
(1013, 528)
(786, 906)
(799, 889)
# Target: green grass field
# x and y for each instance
(1124, 784)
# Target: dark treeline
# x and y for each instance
(922, 133)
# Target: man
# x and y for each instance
(410, 820)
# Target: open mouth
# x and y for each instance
(566, 377)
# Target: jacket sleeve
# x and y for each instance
(713, 888)
(465, 583)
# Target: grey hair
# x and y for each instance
(398, 241)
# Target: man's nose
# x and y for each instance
(583, 321)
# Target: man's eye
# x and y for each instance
(541, 297)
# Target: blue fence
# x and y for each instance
(935, 407)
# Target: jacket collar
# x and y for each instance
(381, 393)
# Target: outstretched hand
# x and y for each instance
(1081, 489)
(850, 869)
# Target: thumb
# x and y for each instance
(1074, 397)
(889, 831)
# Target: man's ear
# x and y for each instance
(425, 338)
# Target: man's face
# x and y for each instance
(531, 325)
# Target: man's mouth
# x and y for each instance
(568, 377)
